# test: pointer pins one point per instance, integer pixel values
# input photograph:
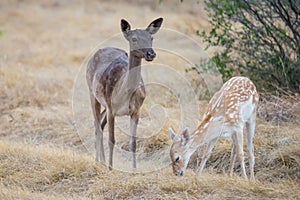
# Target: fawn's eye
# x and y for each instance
(177, 159)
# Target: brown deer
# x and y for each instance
(115, 82)
(231, 109)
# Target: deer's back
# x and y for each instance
(235, 100)
(101, 61)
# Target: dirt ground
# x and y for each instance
(46, 125)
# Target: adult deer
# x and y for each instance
(115, 82)
(231, 109)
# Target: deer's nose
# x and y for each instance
(151, 54)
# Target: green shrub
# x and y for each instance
(258, 38)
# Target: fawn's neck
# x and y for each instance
(209, 130)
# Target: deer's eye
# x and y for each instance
(134, 39)
(177, 159)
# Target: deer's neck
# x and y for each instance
(209, 130)
(134, 76)
(134, 72)
(134, 61)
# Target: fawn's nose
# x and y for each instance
(179, 173)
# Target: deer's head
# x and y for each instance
(179, 152)
(140, 40)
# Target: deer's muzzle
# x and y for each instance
(150, 55)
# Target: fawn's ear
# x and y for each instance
(173, 135)
(125, 27)
(185, 136)
(154, 26)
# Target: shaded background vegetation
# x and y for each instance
(259, 39)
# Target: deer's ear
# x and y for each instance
(173, 136)
(185, 136)
(154, 26)
(125, 27)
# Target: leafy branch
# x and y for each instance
(258, 38)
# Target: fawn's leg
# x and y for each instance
(240, 151)
(205, 157)
(233, 154)
(250, 135)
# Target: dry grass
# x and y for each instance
(280, 109)
(29, 172)
(43, 157)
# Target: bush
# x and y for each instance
(258, 38)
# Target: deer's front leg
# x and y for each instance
(132, 145)
(111, 137)
(205, 157)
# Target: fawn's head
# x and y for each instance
(140, 40)
(179, 152)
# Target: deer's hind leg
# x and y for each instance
(111, 136)
(240, 151)
(98, 116)
(233, 154)
(250, 134)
